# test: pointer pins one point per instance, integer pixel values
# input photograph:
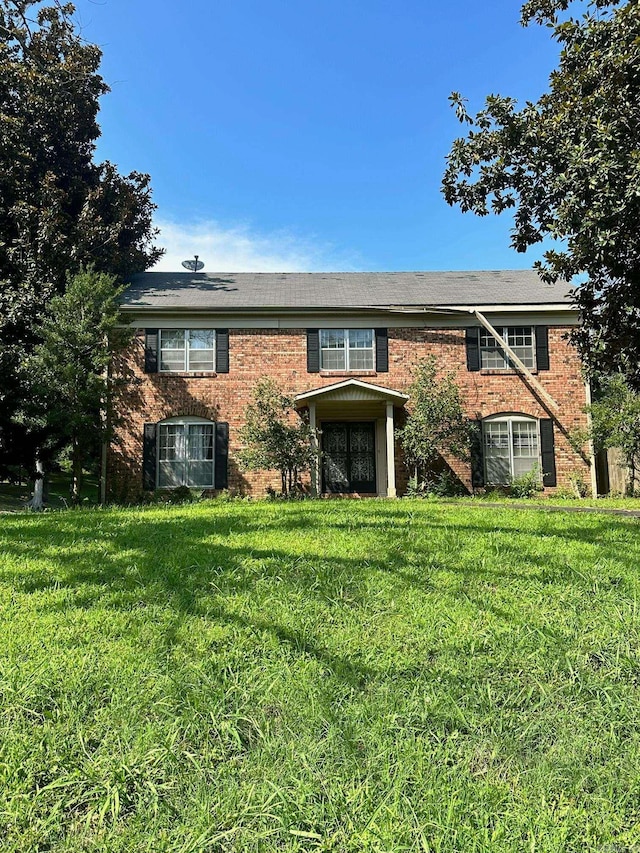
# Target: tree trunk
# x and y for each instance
(76, 477)
(37, 501)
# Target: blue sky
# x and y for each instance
(309, 135)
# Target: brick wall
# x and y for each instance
(281, 355)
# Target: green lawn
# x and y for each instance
(14, 497)
(332, 676)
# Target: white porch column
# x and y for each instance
(391, 457)
(315, 467)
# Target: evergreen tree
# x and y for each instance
(59, 210)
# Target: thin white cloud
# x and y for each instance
(242, 249)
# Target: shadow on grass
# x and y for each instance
(197, 563)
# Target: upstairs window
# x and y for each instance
(347, 349)
(187, 350)
(186, 453)
(521, 339)
(511, 448)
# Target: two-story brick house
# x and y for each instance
(345, 345)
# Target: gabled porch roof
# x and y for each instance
(352, 389)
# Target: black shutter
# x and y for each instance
(382, 351)
(542, 347)
(222, 350)
(150, 350)
(149, 457)
(472, 340)
(313, 351)
(221, 464)
(547, 449)
(477, 456)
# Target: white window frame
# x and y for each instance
(510, 419)
(186, 363)
(346, 350)
(503, 331)
(185, 422)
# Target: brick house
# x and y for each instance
(345, 345)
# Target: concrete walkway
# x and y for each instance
(630, 513)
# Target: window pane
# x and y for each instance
(360, 349)
(201, 360)
(333, 359)
(520, 339)
(200, 442)
(171, 440)
(201, 339)
(360, 359)
(498, 471)
(525, 439)
(360, 338)
(200, 474)
(332, 338)
(519, 336)
(491, 356)
(496, 438)
(496, 451)
(170, 474)
(172, 338)
(172, 349)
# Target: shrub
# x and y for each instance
(527, 484)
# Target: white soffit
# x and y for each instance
(354, 390)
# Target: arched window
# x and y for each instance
(186, 453)
(511, 447)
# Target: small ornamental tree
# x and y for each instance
(436, 425)
(274, 437)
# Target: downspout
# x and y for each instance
(520, 367)
(516, 361)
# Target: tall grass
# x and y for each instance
(338, 676)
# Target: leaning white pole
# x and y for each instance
(391, 459)
(514, 358)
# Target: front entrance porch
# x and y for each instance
(349, 457)
(356, 451)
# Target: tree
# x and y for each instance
(59, 211)
(436, 425)
(69, 370)
(568, 166)
(273, 439)
(615, 421)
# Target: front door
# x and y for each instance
(348, 457)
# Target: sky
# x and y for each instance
(285, 135)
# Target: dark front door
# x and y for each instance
(348, 457)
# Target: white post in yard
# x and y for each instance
(315, 467)
(391, 458)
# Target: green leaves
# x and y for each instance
(59, 210)
(436, 424)
(274, 437)
(568, 167)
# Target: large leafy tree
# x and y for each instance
(568, 166)
(59, 210)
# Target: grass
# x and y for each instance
(13, 497)
(335, 676)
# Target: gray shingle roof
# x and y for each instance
(320, 290)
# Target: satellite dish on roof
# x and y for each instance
(195, 265)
